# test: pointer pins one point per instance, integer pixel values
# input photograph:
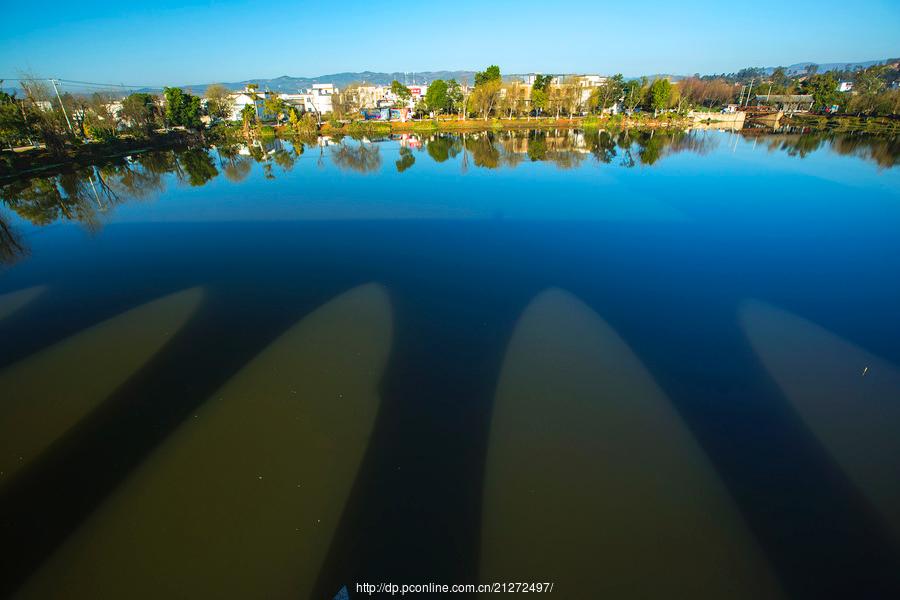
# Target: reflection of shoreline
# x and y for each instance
(85, 194)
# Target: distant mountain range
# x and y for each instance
(286, 83)
(794, 69)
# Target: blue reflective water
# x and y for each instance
(670, 241)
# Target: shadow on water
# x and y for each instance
(265, 463)
(848, 398)
(415, 509)
(569, 467)
(11, 302)
(45, 503)
(50, 392)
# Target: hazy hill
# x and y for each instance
(286, 83)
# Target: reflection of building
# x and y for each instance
(552, 141)
(409, 140)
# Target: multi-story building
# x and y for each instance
(318, 99)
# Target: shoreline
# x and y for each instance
(500, 124)
(15, 164)
(34, 161)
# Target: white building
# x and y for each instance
(845, 86)
(318, 99)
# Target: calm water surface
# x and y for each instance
(643, 365)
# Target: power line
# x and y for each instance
(88, 83)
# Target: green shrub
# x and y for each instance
(101, 134)
(368, 128)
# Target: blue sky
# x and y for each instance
(166, 42)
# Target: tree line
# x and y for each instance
(874, 89)
(38, 115)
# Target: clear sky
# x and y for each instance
(190, 41)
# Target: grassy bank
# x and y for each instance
(455, 124)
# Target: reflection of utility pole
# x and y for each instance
(96, 195)
(62, 106)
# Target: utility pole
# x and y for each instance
(62, 106)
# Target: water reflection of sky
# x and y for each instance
(632, 276)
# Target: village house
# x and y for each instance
(248, 97)
(318, 98)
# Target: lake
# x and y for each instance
(643, 364)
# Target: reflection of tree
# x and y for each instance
(406, 160)
(537, 146)
(71, 196)
(284, 159)
(11, 245)
(882, 150)
(657, 143)
(803, 144)
(158, 163)
(235, 166)
(359, 157)
(128, 179)
(443, 147)
(484, 153)
(601, 144)
(651, 147)
(198, 165)
(81, 194)
(566, 159)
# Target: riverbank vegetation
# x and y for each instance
(39, 127)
